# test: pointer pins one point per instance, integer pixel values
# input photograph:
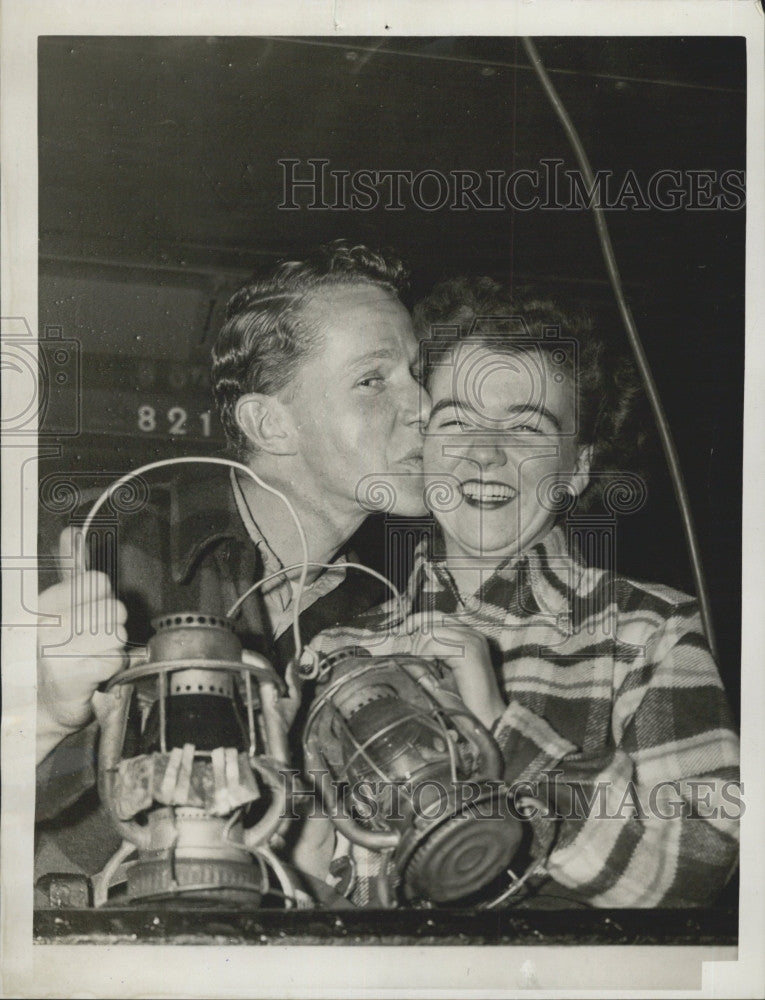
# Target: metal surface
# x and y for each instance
(448, 862)
(196, 877)
(391, 728)
(436, 927)
(195, 841)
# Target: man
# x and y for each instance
(600, 691)
(314, 374)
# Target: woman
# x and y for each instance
(602, 693)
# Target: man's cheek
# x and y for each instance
(430, 459)
(357, 451)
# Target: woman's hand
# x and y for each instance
(438, 636)
(466, 653)
(379, 643)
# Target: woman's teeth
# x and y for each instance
(478, 492)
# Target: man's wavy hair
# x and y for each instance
(612, 409)
(268, 331)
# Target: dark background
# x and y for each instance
(160, 187)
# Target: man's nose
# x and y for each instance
(418, 404)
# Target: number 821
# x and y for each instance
(176, 418)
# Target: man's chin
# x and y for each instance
(413, 508)
(410, 498)
(400, 507)
(392, 494)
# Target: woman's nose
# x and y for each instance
(487, 453)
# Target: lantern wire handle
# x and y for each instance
(239, 467)
(103, 880)
(317, 565)
(288, 889)
(302, 566)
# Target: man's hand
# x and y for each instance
(441, 637)
(81, 648)
(286, 705)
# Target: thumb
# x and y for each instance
(105, 704)
(72, 552)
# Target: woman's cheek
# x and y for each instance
(533, 468)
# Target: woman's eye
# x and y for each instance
(453, 424)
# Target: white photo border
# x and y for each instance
(142, 970)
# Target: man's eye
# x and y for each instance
(371, 380)
(526, 429)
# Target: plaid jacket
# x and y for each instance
(614, 702)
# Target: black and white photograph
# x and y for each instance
(381, 448)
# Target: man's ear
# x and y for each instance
(266, 423)
(581, 475)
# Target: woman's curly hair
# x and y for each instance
(612, 409)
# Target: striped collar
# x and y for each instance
(545, 581)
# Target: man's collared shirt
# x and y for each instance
(278, 594)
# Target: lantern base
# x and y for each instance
(198, 880)
(458, 855)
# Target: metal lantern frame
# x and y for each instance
(421, 684)
(256, 670)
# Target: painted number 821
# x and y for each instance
(176, 418)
